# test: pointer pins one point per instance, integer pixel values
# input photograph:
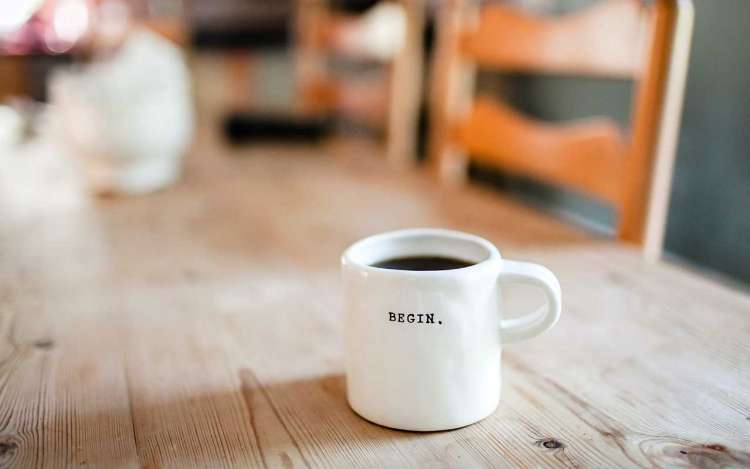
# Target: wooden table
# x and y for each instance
(202, 326)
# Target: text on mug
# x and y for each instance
(412, 318)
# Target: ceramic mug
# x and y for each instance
(423, 347)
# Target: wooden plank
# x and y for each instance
(63, 400)
(586, 155)
(595, 41)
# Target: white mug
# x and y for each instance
(423, 347)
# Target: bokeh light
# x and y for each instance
(15, 13)
(70, 20)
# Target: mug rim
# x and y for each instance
(348, 258)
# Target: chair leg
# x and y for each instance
(238, 69)
(451, 93)
(406, 90)
(451, 166)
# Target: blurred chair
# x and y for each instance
(390, 33)
(644, 41)
(13, 73)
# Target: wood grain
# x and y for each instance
(201, 326)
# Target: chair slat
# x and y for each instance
(597, 41)
(584, 155)
(362, 101)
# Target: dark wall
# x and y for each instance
(709, 216)
(709, 219)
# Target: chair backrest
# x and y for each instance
(644, 41)
(393, 103)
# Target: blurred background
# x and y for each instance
(106, 76)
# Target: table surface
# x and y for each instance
(202, 325)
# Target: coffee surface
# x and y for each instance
(423, 263)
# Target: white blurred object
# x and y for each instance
(14, 13)
(70, 22)
(113, 22)
(129, 118)
(11, 127)
(380, 32)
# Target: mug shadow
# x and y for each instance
(285, 424)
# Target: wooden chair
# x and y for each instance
(394, 103)
(645, 41)
(15, 81)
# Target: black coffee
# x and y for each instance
(423, 263)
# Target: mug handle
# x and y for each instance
(534, 323)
